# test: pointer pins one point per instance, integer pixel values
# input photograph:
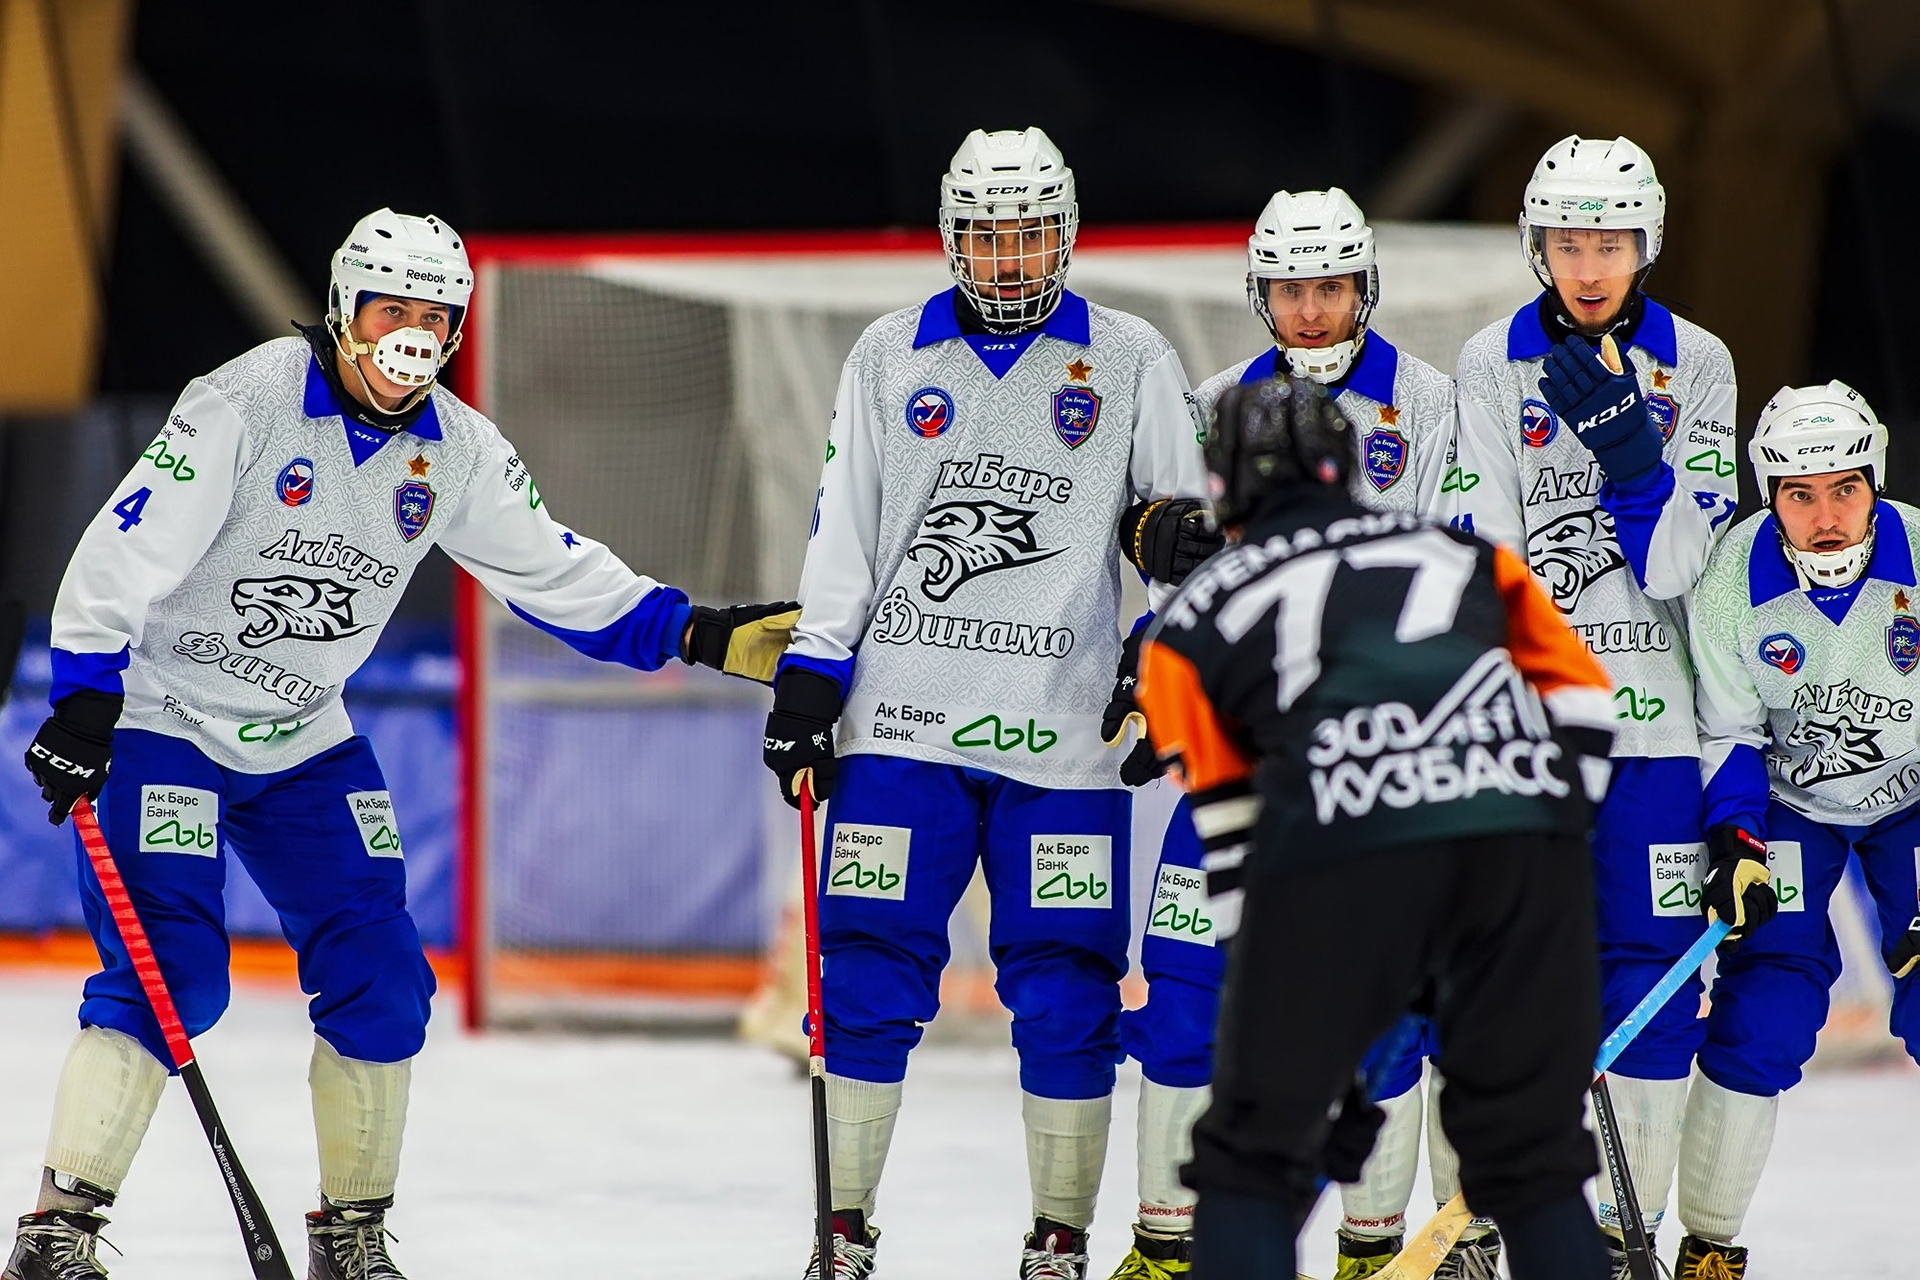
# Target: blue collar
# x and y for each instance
(1069, 321)
(318, 401)
(1527, 340)
(1372, 375)
(1770, 575)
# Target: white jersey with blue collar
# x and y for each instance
(247, 564)
(1808, 694)
(962, 580)
(1401, 411)
(1617, 562)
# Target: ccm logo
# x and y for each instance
(1608, 414)
(427, 276)
(776, 744)
(1308, 248)
(1006, 191)
(1815, 448)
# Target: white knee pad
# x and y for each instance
(1443, 1162)
(1723, 1149)
(359, 1117)
(1164, 1143)
(1650, 1113)
(1066, 1151)
(1375, 1208)
(860, 1116)
(109, 1088)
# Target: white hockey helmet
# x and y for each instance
(1583, 184)
(1016, 180)
(402, 256)
(1807, 431)
(1311, 235)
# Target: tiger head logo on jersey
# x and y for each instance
(294, 608)
(1571, 553)
(1839, 748)
(959, 541)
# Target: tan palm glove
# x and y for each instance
(744, 640)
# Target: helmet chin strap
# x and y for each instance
(1829, 569)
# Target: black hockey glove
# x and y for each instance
(745, 640)
(1356, 1124)
(1906, 952)
(1141, 765)
(70, 754)
(1169, 537)
(800, 732)
(1603, 408)
(1737, 885)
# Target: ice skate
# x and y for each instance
(853, 1247)
(1472, 1259)
(1156, 1257)
(1055, 1251)
(349, 1242)
(1362, 1256)
(1710, 1260)
(56, 1245)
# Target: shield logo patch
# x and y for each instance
(1076, 412)
(1664, 413)
(1538, 426)
(1384, 457)
(1903, 644)
(412, 508)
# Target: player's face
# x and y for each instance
(1314, 313)
(378, 317)
(1011, 258)
(1592, 271)
(1826, 512)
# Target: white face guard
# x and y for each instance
(410, 357)
(1012, 270)
(1830, 568)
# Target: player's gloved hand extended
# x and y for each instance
(1906, 952)
(743, 640)
(1603, 407)
(1142, 765)
(1168, 538)
(800, 732)
(1738, 886)
(70, 754)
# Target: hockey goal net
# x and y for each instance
(625, 859)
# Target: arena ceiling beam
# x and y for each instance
(60, 64)
(1741, 103)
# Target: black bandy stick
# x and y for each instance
(1633, 1228)
(264, 1255)
(816, 1034)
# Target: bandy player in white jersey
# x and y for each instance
(203, 631)
(1313, 281)
(1614, 487)
(1805, 639)
(956, 650)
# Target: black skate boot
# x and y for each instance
(1156, 1256)
(1710, 1260)
(56, 1245)
(1476, 1259)
(1055, 1251)
(1361, 1256)
(853, 1247)
(349, 1242)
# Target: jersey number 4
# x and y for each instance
(1441, 570)
(130, 507)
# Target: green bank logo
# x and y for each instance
(1630, 703)
(1459, 480)
(175, 464)
(1789, 883)
(1179, 907)
(990, 731)
(1072, 871)
(179, 820)
(1711, 461)
(869, 861)
(373, 816)
(1674, 873)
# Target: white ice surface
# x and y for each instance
(557, 1156)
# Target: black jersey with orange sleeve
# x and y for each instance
(1342, 680)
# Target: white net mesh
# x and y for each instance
(637, 863)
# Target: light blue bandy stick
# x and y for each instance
(1655, 1000)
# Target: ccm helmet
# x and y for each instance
(1268, 435)
(1310, 235)
(1806, 431)
(402, 256)
(1013, 269)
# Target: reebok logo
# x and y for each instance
(428, 277)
